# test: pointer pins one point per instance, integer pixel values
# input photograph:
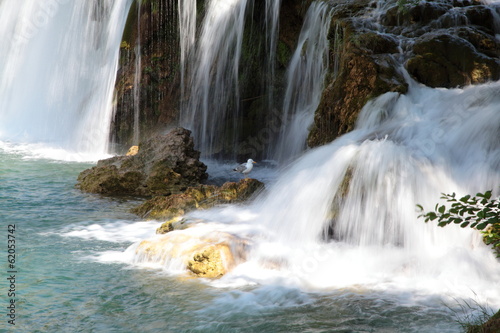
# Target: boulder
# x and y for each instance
(444, 60)
(209, 255)
(199, 197)
(163, 165)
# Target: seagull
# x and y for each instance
(245, 168)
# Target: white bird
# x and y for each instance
(245, 168)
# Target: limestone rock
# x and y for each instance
(199, 197)
(164, 164)
(208, 255)
(132, 151)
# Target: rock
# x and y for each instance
(199, 197)
(132, 151)
(164, 165)
(208, 255)
(444, 60)
(211, 260)
(177, 223)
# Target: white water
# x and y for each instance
(187, 31)
(57, 72)
(405, 151)
(213, 79)
(305, 81)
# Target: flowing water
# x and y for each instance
(333, 245)
(71, 49)
(305, 81)
(213, 78)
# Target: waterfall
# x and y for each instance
(213, 80)
(187, 31)
(362, 188)
(272, 21)
(305, 82)
(137, 78)
(57, 71)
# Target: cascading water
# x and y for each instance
(137, 79)
(213, 80)
(272, 22)
(305, 81)
(66, 101)
(187, 30)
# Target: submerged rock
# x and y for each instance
(199, 197)
(164, 165)
(208, 256)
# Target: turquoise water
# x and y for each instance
(64, 285)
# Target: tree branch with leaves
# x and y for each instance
(481, 212)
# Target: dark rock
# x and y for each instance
(444, 60)
(164, 165)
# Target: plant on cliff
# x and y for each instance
(481, 212)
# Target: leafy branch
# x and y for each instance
(480, 212)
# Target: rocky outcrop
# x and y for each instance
(164, 165)
(200, 197)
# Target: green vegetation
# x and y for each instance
(480, 212)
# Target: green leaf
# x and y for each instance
(442, 209)
(465, 199)
(465, 224)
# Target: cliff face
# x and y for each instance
(155, 95)
(440, 43)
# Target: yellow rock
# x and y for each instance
(208, 256)
(133, 151)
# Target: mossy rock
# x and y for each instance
(198, 197)
(444, 60)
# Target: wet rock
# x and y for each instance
(164, 165)
(444, 60)
(199, 197)
(366, 69)
(208, 255)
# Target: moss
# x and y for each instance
(283, 54)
